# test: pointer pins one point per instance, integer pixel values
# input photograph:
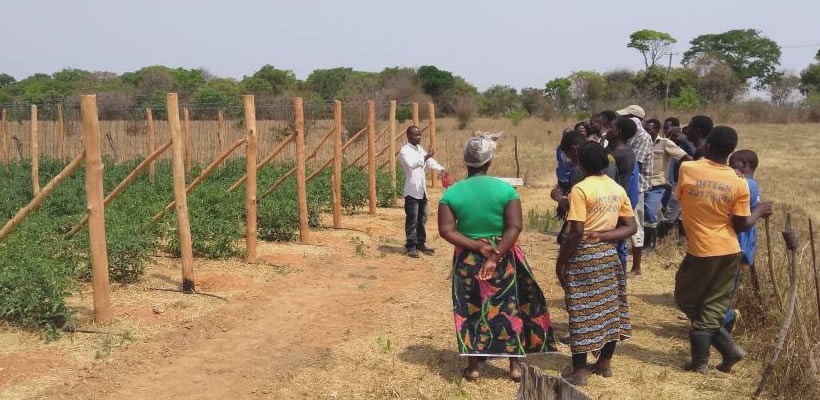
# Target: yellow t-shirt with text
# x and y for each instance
(710, 193)
(598, 201)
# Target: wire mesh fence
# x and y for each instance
(125, 128)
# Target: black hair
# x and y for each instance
(722, 140)
(672, 121)
(702, 123)
(582, 123)
(593, 158)
(411, 127)
(654, 121)
(627, 127)
(599, 117)
(747, 157)
(609, 115)
(570, 139)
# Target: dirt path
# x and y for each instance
(358, 320)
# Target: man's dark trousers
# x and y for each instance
(415, 211)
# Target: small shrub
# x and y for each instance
(404, 112)
(516, 116)
(465, 109)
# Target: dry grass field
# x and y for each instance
(351, 317)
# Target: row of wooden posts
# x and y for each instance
(179, 144)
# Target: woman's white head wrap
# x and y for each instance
(479, 149)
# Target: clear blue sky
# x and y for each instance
(518, 43)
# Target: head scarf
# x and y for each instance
(479, 149)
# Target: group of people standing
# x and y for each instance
(615, 175)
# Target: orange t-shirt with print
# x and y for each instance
(710, 193)
(598, 201)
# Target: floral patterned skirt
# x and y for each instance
(505, 316)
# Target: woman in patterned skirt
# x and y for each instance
(588, 267)
(499, 309)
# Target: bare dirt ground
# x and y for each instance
(350, 317)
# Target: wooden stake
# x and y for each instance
(515, 152)
(278, 182)
(188, 144)
(183, 223)
(4, 137)
(37, 200)
(431, 115)
(415, 110)
(392, 155)
(301, 183)
(814, 267)
(221, 132)
(771, 267)
(191, 186)
(262, 163)
(122, 186)
(318, 147)
(96, 210)
(250, 172)
(149, 122)
(371, 154)
(35, 152)
(60, 133)
(336, 182)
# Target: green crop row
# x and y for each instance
(39, 267)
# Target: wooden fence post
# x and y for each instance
(4, 137)
(183, 224)
(149, 121)
(392, 138)
(61, 133)
(337, 164)
(221, 132)
(431, 115)
(415, 114)
(301, 183)
(35, 152)
(250, 172)
(37, 200)
(371, 154)
(96, 210)
(188, 144)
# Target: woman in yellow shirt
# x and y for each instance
(589, 269)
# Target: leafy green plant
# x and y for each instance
(516, 116)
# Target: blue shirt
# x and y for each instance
(634, 190)
(565, 167)
(748, 239)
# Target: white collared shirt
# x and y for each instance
(412, 162)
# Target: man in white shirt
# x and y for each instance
(414, 160)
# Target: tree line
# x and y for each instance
(717, 68)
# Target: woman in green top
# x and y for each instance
(499, 309)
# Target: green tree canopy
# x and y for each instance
(498, 100)
(6, 80)
(810, 79)
(651, 44)
(558, 90)
(279, 80)
(750, 54)
(434, 81)
(328, 82)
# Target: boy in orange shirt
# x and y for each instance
(715, 205)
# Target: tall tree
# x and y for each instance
(651, 44)
(558, 90)
(435, 81)
(783, 87)
(278, 79)
(810, 79)
(750, 54)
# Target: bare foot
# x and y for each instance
(577, 377)
(634, 273)
(515, 370)
(471, 372)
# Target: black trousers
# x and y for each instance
(415, 211)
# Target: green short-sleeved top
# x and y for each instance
(478, 204)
